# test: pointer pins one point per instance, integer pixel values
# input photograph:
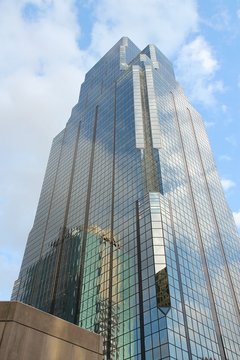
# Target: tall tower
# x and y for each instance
(133, 238)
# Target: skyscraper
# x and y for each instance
(133, 238)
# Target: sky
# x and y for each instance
(46, 48)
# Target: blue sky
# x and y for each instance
(46, 48)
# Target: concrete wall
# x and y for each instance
(30, 334)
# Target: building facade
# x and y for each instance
(133, 238)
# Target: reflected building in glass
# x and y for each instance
(133, 238)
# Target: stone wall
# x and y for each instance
(27, 333)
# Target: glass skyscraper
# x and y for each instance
(133, 238)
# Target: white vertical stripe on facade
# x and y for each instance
(153, 56)
(138, 114)
(123, 63)
(154, 120)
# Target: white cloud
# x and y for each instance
(196, 69)
(220, 21)
(227, 184)
(236, 216)
(225, 157)
(231, 139)
(145, 21)
(209, 124)
(200, 53)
